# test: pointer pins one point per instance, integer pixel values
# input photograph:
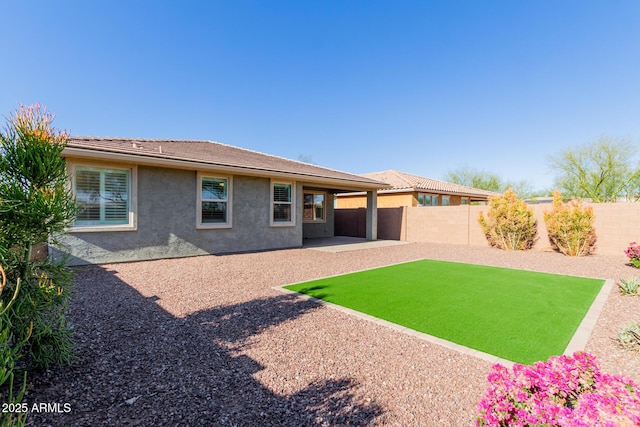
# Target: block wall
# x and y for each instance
(617, 224)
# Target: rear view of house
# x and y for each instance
(144, 199)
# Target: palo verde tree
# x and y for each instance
(602, 171)
(36, 205)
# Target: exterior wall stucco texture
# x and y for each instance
(166, 222)
(384, 201)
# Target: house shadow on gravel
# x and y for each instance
(138, 365)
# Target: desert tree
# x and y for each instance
(475, 178)
(602, 171)
(489, 181)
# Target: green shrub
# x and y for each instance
(9, 353)
(36, 205)
(38, 316)
(570, 227)
(509, 224)
(629, 337)
(629, 286)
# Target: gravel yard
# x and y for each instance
(208, 341)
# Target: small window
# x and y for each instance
(427, 200)
(445, 201)
(103, 196)
(214, 208)
(464, 201)
(314, 210)
(282, 207)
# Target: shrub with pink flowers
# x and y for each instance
(633, 253)
(563, 391)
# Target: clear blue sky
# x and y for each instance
(361, 86)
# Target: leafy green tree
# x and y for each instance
(476, 179)
(489, 181)
(36, 205)
(524, 189)
(602, 171)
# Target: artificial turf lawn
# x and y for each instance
(518, 315)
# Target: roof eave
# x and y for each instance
(144, 159)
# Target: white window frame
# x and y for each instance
(291, 223)
(324, 206)
(131, 225)
(229, 202)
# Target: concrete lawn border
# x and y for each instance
(583, 333)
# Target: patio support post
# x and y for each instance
(372, 215)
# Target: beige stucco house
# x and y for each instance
(413, 190)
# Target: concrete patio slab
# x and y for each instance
(345, 244)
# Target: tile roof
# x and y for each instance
(401, 180)
(214, 154)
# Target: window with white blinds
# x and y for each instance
(282, 208)
(102, 195)
(214, 201)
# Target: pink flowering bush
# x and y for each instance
(564, 391)
(633, 253)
